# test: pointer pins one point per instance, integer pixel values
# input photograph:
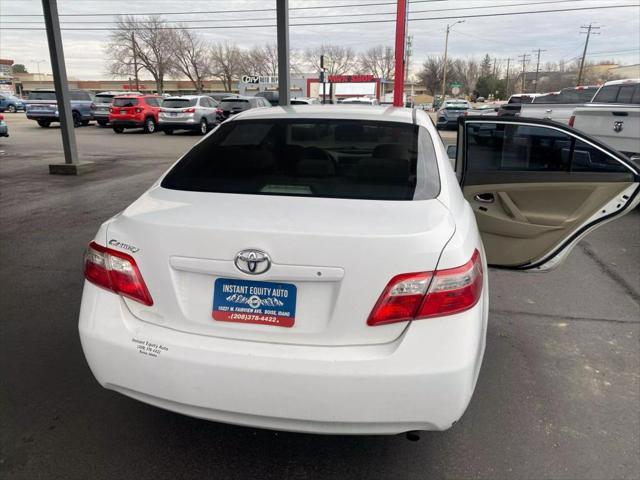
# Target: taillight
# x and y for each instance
(116, 272)
(189, 110)
(414, 296)
(219, 110)
(93, 106)
(138, 110)
(572, 120)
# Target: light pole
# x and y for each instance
(444, 65)
(38, 62)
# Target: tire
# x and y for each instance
(44, 123)
(168, 132)
(149, 125)
(85, 122)
(118, 129)
(12, 109)
(102, 123)
(204, 127)
(76, 120)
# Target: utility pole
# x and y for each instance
(401, 30)
(588, 32)
(506, 87)
(525, 58)
(535, 85)
(444, 64)
(135, 60)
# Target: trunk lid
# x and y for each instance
(339, 255)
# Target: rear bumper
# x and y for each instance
(126, 123)
(421, 381)
(43, 116)
(4, 131)
(447, 122)
(184, 125)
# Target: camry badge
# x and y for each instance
(252, 261)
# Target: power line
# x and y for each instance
(352, 22)
(104, 22)
(246, 10)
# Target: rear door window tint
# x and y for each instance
(125, 102)
(607, 94)
(317, 158)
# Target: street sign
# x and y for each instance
(455, 90)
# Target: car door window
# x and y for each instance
(607, 94)
(625, 94)
(493, 147)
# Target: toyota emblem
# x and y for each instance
(252, 261)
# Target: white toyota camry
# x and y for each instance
(324, 268)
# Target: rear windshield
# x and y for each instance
(314, 158)
(125, 102)
(235, 103)
(42, 96)
(456, 106)
(179, 102)
(104, 98)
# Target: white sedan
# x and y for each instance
(324, 268)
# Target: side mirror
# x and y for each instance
(452, 151)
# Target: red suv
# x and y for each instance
(135, 111)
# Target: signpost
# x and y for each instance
(455, 87)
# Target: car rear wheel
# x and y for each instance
(168, 132)
(149, 125)
(118, 129)
(102, 123)
(76, 119)
(204, 127)
(11, 109)
(44, 123)
(85, 122)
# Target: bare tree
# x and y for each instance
(260, 60)
(467, 72)
(338, 60)
(149, 41)
(191, 55)
(379, 61)
(226, 63)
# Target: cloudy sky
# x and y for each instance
(503, 36)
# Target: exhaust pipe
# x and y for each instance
(413, 435)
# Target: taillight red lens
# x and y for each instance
(93, 106)
(219, 110)
(414, 296)
(572, 120)
(115, 271)
(189, 110)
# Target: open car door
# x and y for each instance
(537, 187)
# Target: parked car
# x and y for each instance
(304, 101)
(188, 112)
(447, 116)
(4, 128)
(103, 105)
(515, 102)
(360, 101)
(10, 103)
(273, 97)
(359, 303)
(480, 99)
(135, 111)
(219, 96)
(613, 117)
(42, 106)
(487, 110)
(558, 106)
(231, 106)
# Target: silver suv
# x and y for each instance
(188, 112)
(103, 102)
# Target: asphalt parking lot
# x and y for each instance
(558, 395)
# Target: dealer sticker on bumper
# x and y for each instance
(246, 301)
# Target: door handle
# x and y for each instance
(485, 198)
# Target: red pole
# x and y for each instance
(398, 76)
